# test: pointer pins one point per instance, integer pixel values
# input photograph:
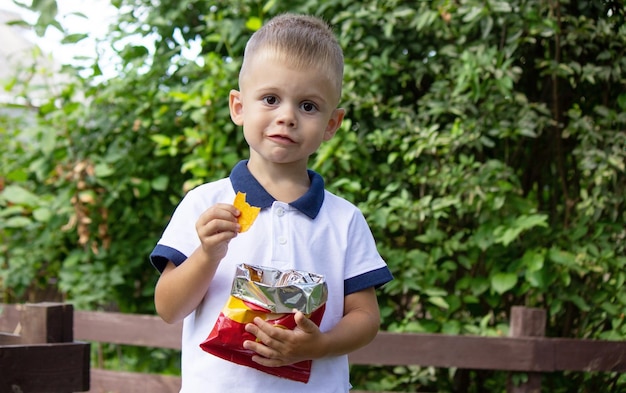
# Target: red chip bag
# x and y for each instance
(272, 295)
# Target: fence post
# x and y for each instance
(42, 355)
(527, 322)
(47, 323)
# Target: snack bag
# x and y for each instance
(271, 294)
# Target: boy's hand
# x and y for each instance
(279, 347)
(215, 228)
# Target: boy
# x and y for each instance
(289, 90)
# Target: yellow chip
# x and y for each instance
(248, 213)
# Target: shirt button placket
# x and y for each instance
(281, 233)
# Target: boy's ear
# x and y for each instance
(236, 107)
(334, 123)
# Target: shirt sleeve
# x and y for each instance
(179, 239)
(365, 267)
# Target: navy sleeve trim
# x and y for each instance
(162, 254)
(375, 278)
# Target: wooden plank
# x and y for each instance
(589, 355)
(10, 339)
(527, 322)
(105, 381)
(47, 323)
(109, 327)
(44, 368)
(129, 329)
(9, 318)
(369, 391)
(471, 352)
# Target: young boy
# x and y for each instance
(289, 89)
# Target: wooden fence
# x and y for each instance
(525, 350)
(38, 354)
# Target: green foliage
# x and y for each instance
(485, 141)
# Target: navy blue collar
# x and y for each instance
(309, 203)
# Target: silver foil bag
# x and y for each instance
(279, 291)
(272, 295)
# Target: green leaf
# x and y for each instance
(530, 221)
(20, 196)
(484, 321)
(133, 52)
(48, 141)
(269, 5)
(42, 214)
(562, 257)
(451, 327)
(478, 285)
(141, 187)
(19, 23)
(578, 301)
(11, 211)
(17, 222)
(439, 302)
(611, 308)
(502, 282)
(473, 13)
(533, 260)
(103, 170)
(621, 101)
(508, 236)
(522, 223)
(501, 6)
(161, 140)
(254, 23)
(73, 38)
(160, 183)
(538, 279)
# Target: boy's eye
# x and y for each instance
(270, 100)
(309, 107)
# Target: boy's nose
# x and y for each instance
(287, 116)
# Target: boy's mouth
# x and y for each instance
(281, 139)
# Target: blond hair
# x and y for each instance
(301, 41)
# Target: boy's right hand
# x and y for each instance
(181, 288)
(216, 227)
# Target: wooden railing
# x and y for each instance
(38, 352)
(525, 350)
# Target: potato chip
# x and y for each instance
(248, 213)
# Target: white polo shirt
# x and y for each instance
(320, 233)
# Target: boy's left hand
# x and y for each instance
(279, 347)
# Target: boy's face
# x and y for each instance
(286, 113)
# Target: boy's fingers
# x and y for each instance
(265, 355)
(220, 211)
(265, 332)
(268, 362)
(304, 323)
